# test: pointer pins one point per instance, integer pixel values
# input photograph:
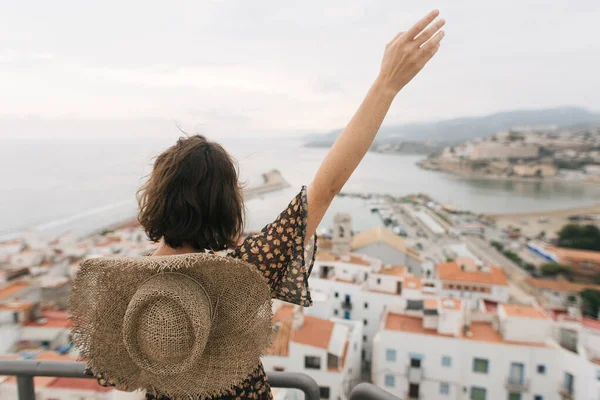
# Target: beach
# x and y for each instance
(532, 223)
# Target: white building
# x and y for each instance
(391, 249)
(327, 350)
(358, 288)
(466, 279)
(448, 352)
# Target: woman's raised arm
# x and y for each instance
(404, 57)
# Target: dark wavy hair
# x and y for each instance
(193, 197)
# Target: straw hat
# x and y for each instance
(185, 326)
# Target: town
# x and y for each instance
(542, 153)
(434, 302)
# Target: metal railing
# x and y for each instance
(367, 391)
(516, 385)
(25, 370)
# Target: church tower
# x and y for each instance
(342, 234)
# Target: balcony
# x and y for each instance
(566, 393)
(414, 374)
(513, 385)
(25, 370)
(346, 305)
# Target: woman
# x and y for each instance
(192, 201)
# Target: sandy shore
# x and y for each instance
(530, 224)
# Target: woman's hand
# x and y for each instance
(404, 57)
(409, 51)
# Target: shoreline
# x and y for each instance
(476, 176)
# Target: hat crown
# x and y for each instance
(164, 331)
(167, 323)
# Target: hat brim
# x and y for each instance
(241, 329)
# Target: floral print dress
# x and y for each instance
(279, 252)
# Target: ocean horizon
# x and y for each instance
(82, 185)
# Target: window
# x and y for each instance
(390, 380)
(458, 287)
(355, 346)
(541, 369)
(480, 365)
(598, 374)
(324, 392)
(335, 312)
(379, 281)
(517, 372)
(336, 295)
(365, 322)
(446, 361)
(390, 355)
(538, 397)
(364, 338)
(568, 383)
(478, 393)
(312, 362)
(444, 388)
(514, 396)
(366, 305)
(450, 286)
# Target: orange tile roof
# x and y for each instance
(326, 256)
(406, 323)
(479, 331)
(347, 258)
(561, 285)
(281, 342)
(13, 288)
(430, 303)
(411, 282)
(579, 255)
(314, 332)
(515, 310)
(51, 322)
(16, 305)
(53, 356)
(355, 259)
(78, 384)
(394, 270)
(451, 271)
(466, 261)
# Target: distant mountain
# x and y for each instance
(461, 129)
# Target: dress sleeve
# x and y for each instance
(279, 253)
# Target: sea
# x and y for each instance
(81, 185)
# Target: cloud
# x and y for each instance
(269, 65)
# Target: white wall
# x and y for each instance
(526, 330)
(460, 374)
(9, 334)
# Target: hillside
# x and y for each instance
(464, 128)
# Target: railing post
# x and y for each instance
(25, 388)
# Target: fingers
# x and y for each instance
(430, 48)
(429, 32)
(422, 24)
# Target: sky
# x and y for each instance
(239, 67)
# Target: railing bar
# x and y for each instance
(366, 391)
(25, 388)
(27, 369)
